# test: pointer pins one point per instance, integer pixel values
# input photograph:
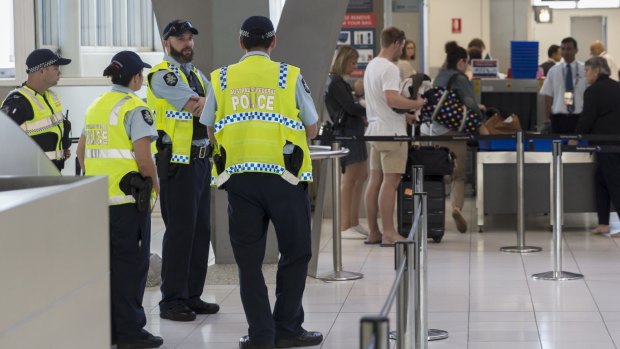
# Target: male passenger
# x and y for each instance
(597, 49)
(555, 56)
(387, 159)
(176, 92)
(563, 90)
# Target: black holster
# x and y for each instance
(140, 188)
(293, 159)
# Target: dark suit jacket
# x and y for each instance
(601, 108)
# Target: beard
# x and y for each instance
(183, 56)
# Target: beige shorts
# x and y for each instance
(389, 157)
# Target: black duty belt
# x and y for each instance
(200, 152)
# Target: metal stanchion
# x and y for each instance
(405, 250)
(521, 247)
(421, 237)
(557, 273)
(374, 332)
(338, 274)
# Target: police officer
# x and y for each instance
(176, 92)
(116, 142)
(37, 110)
(260, 114)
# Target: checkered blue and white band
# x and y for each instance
(257, 115)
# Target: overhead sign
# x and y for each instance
(358, 31)
(484, 68)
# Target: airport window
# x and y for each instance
(117, 23)
(7, 47)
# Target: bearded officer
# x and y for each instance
(176, 92)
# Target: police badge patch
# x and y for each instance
(146, 115)
(306, 87)
(171, 79)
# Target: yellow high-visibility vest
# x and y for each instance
(256, 116)
(178, 124)
(45, 120)
(109, 150)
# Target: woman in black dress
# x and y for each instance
(350, 119)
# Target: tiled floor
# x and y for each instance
(484, 298)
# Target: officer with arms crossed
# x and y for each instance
(37, 110)
(176, 92)
(260, 114)
(116, 142)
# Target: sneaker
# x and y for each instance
(360, 229)
(352, 234)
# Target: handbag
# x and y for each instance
(437, 161)
(444, 106)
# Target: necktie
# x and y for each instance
(570, 88)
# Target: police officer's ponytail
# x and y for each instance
(114, 70)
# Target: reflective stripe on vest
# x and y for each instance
(116, 109)
(109, 154)
(55, 155)
(121, 199)
(42, 124)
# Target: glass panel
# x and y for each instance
(7, 47)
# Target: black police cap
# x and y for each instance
(257, 27)
(128, 63)
(41, 58)
(177, 28)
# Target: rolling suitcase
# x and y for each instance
(435, 200)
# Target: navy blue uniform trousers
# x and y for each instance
(254, 199)
(607, 185)
(130, 241)
(185, 209)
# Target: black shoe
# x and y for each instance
(177, 311)
(201, 307)
(306, 339)
(147, 341)
(245, 343)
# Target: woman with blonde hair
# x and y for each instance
(349, 119)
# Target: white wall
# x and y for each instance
(548, 34)
(474, 16)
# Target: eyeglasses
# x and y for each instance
(178, 28)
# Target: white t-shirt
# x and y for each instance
(382, 75)
(554, 86)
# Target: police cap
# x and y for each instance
(41, 58)
(257, 27)
(177, 28)
(128, 63)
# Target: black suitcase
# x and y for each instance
(435, 201)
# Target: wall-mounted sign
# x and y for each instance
(359, 31)
(456, 26)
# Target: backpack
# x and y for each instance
(444, 106)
